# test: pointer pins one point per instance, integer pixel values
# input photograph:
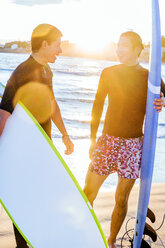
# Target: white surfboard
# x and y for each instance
(39, 192)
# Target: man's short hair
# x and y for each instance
(43, 32)
(135, 39)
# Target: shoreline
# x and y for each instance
(75, 55)
(104, 58)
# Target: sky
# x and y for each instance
(90, 23)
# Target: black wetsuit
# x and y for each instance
(126, 87)
(26, 72)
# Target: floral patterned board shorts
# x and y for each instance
(115, 154)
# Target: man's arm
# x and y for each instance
(98, 109)
(57, 119)
(8, 96)
(4, 115)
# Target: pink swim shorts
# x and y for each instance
(115, 154)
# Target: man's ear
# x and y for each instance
(138, 51)
(44, 44)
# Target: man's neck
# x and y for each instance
(132, 63)
(40, 59)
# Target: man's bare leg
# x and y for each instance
(93, 183)
(120, 210)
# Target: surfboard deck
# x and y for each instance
(39, 192)
(150, 130)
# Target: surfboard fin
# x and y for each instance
(151, 215)
(144, 244)
(148, 230)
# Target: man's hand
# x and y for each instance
(68, 143)
(92, 147)
(159, 103)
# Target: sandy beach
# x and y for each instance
(105, 203)
(103, 207)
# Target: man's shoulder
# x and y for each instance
(26, 65)
(121, 67)
(111, 70)
(143, 69)
(26, 71)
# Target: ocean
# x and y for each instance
(75, 82)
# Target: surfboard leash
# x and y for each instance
(127, 238)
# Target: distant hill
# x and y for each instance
(72, 50)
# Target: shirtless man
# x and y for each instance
(119, 149)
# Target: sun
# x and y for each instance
(86, 28)
(91, 45)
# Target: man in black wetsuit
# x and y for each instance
(46, 45)
(119, 148)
